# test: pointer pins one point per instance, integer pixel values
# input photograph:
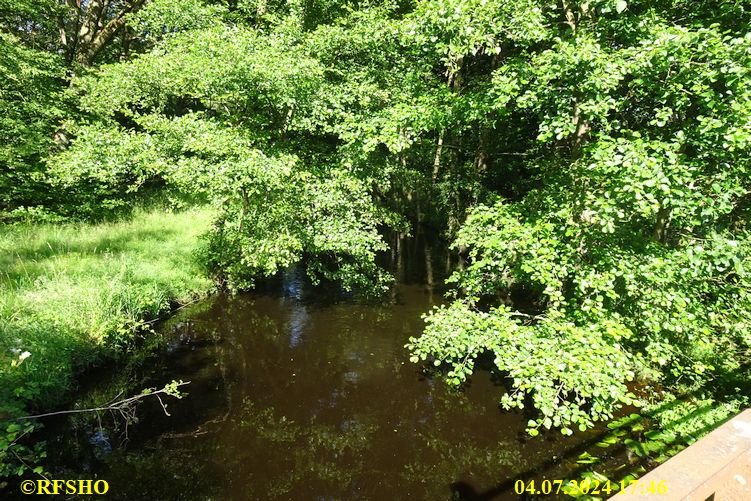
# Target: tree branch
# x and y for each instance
(93, 41)
(122, 406)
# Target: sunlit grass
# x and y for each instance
(73, 294)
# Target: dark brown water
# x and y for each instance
(301, 393)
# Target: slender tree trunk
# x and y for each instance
(126, 44)
(428, 265)
(244, 211)
(481, 156)
(661, 224)
(63, 34)
(484, 136)
(569, 16)
(437, 158)
(581, 127)
(400, 255)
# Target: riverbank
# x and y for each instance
(75, 295)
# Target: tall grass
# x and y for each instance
(74, 294)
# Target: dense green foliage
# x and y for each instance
(31, 107)
(630, 233)
(589, 160)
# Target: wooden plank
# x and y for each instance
(718, 465)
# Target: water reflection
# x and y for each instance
(297, 324)
(298, 394)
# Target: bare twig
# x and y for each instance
(124, 406)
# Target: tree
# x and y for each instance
(628, 240)
(218, 128)
(590, 160)
(31, 105)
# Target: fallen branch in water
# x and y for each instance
(125, 406)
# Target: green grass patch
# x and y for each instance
(73, 295)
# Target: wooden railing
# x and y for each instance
(715, 468)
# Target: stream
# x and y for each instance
(304, 393)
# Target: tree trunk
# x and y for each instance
(581, 128)
(481, 156)
(437, 159)
(94, 34)
(660, 232)
(569, 16)
(126, 44)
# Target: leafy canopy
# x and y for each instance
(589, 160)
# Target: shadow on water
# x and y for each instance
(300, 392)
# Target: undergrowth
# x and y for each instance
(75, 295)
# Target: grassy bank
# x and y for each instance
(73, 295)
